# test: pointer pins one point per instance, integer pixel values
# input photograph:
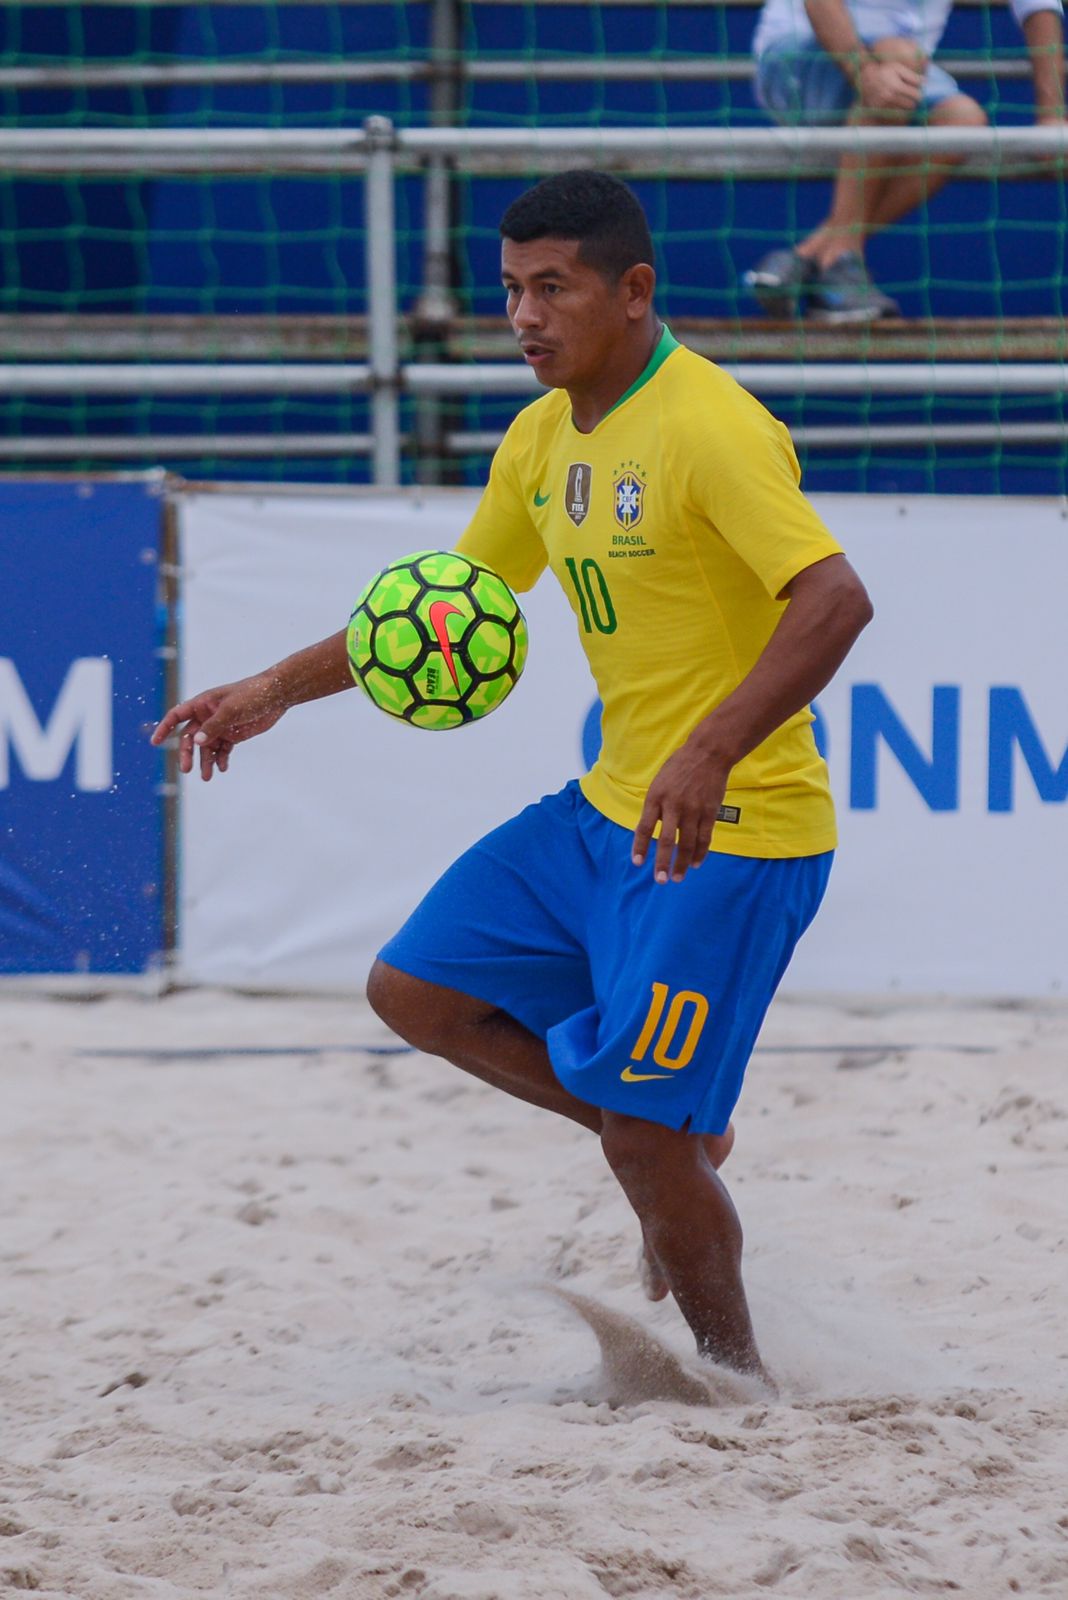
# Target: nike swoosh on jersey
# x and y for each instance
(438, 612)
(641, 1077)
(542, 499)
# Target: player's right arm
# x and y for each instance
(212, 722)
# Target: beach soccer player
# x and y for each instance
(610, 953)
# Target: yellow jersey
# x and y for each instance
(672, 528)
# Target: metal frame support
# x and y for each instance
(380, 234)
(436, 306)
(436, 303)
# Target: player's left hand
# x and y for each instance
(684, 798)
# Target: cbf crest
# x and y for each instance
(628, 490)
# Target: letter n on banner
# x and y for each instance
(936, 777)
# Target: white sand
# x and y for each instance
(274, 1326)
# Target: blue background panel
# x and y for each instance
(80, 867)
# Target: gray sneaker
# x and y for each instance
(844, 293)
(779, 282)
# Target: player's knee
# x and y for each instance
(424, 1015)
(395, 997)
(382, 994)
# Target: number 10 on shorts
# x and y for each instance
(663, 1032)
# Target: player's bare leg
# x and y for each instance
(655, 1286)
(478, 1037)
(689, 1225)
(692, 1227)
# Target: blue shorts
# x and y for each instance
(649, 996)
(798, 83)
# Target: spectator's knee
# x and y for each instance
(960, 111)
(907, 51)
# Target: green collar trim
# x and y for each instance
(661, 350)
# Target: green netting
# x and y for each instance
(161, 268)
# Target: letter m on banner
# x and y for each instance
(80, 720)
(1011, 727)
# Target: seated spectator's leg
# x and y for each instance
(824, 275)
(872, 191)
(902, 192)
(862, 179)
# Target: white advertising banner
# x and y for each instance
(947, 739)
(946, 732)
(307, 854)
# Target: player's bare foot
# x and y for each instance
(718, 1147)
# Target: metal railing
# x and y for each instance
(663, 152)
(379, 152)
(450, 66)
(507, 378)
(156, 336)
(267, 5)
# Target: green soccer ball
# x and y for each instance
(437, 640)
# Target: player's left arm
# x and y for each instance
(827, 609)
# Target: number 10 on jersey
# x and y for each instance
(591, 591)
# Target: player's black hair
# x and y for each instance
(603, 214)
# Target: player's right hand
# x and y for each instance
(213, 722)
(889, 85)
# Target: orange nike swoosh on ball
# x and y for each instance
(437, 613)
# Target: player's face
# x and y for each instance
(567, 316)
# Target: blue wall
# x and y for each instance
(81, 815)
